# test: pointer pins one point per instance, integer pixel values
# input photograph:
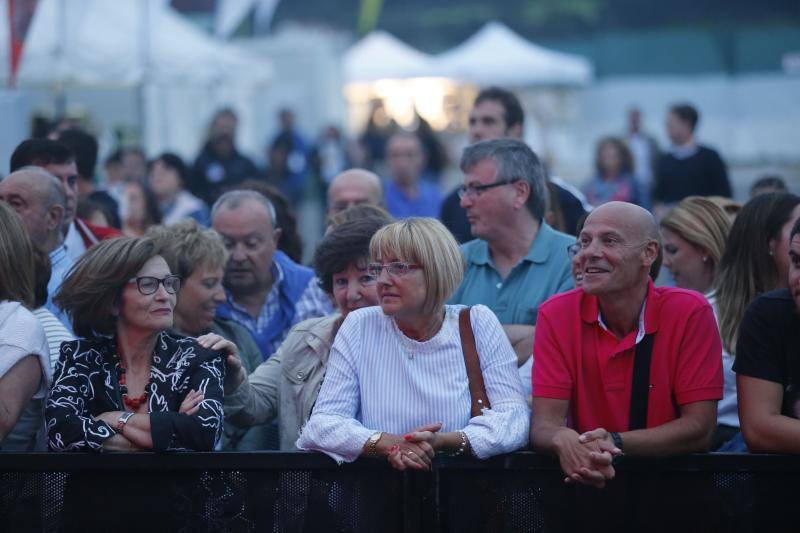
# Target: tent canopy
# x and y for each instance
(495, 55)
(122, 43)
(380, 55)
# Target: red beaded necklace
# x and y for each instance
(132, 403)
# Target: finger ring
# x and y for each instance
(411, 453)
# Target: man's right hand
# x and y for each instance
(587, 463)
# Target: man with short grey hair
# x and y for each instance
(517, 261)
(267, 292)
(39, 199)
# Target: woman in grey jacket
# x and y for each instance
(286, 385)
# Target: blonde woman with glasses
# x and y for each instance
(397, 383)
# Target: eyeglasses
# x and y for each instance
(573, 249)
(474, 191)
(394, 269)
(148, 284)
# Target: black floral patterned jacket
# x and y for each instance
(86, 384)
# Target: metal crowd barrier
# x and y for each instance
(287, 492)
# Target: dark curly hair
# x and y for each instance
(344, 245)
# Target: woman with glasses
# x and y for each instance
(127, 384)
(286, 384)
(396, 384)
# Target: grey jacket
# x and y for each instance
(286, 385)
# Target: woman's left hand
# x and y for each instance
(427, 434)
(191, 403)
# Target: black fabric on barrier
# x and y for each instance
(521, 492)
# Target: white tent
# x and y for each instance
(121, 43)
(182, 74)
(380, 55)
(495, 55)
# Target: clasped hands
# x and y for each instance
(587, 458)
(414, 450)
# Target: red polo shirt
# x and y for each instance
(576, 359)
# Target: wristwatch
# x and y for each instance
(617, 440)
(371, 446)
(123, 419)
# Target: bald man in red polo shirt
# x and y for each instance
(632, 368)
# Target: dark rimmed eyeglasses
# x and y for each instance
(474, 191)
(148, 284)
(573, 249)
(394, 269)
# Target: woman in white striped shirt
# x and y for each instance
(396, 384)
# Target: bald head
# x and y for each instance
(633, 221)
(39, 199)
(619, 244)
(354, 187)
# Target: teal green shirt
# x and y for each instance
(546, 270)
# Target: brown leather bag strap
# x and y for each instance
(477, 389)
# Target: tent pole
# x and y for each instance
(144, 57)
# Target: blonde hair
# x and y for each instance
(16, 259)
(703, 223)
(428, 242)
(191, 245)
(729, 205)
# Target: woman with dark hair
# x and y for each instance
(756, 258)
(138, 209)
(614, 180)
(24, 362)
(167, 177)
(755, 261)
(286, 384)
(128, 384)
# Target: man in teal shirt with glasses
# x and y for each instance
(517, 261)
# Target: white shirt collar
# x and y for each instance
(639, 334)
(74, 242)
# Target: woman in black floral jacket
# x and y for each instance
(128, 385)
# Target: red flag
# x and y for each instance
(20, 14)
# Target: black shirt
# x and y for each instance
(768, 345)
(86, 384)
(702, 174)
(212, 175)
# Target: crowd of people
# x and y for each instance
(170, 310)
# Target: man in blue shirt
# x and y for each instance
(407, 194)
(267, 292)
(517, 261)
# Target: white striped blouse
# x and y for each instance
(54, 331)
(380, 380)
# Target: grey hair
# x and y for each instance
(232, 200)
(514, 160)
(55, 189)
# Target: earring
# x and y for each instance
(705, 259)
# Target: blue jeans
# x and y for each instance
(735, 444)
